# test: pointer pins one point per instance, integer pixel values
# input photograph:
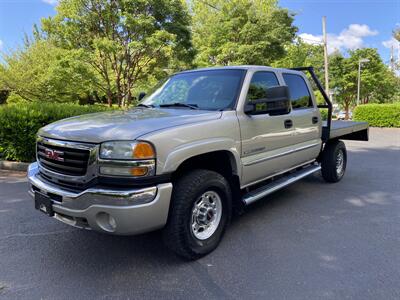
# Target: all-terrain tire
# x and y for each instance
(333, 161)
(188, 192)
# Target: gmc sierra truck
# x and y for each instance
(203, 144)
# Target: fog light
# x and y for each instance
(112, 222)
(106, 222)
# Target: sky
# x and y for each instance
(351, 24)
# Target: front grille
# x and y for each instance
(66, 161)
(68, 185)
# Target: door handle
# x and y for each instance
(288, 123)
(314, 120)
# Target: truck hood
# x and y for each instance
(123, 125)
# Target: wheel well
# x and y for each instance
(331, 141)
(218, 161)
(222, 162)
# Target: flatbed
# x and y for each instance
(346, 130)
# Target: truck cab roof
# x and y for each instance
(243, 67)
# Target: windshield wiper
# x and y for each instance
(178, 104)
(145, 105)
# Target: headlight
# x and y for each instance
(127, 158)
(126, 150)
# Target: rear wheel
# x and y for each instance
(334, 161)
(199, 214)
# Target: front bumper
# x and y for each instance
(119, 211)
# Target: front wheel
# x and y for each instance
(199, 214)
(334, 161)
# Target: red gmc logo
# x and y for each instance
(53, 154)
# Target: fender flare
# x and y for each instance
(199, 147)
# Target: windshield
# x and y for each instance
(209, 90)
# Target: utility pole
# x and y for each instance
(360, 62)
(398, 55)
(358, 82)
(325, 54)
(392, 61)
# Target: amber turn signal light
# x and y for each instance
(139, 171)
(143, 151)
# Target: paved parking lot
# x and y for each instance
(311, 240)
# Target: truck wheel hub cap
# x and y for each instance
(206, 215)
(340, 162)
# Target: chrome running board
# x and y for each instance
(275, 185)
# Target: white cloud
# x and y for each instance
(51, 2)
(311, 39)
(350, 38)
(1, 44)
(391, 43)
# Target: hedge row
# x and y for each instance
(378, 115)
(19, 124)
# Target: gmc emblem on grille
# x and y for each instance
(53, 154)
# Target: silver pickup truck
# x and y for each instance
(203, 144)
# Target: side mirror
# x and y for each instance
(275, 102)
(141, 95)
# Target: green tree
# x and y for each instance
(124, 40)
(300, 54)
(240, 31)
(44, 72)
(396, 34)
(378, 83)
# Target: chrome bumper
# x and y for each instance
(121, 211)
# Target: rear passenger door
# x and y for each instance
(305, 117)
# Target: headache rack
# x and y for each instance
(344, 130)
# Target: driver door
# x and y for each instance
(264, 138)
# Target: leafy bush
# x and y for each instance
(20, 122)
(378, 115)
(13, 98)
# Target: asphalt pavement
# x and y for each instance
(311, 240)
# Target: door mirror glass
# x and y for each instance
(141, 95)
(275, 101)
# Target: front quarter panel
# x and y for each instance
(177, 144)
